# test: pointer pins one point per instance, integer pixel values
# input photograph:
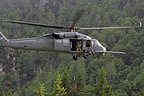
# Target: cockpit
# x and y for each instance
(1, 36)
(97, 46)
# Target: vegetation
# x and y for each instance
(22, 72)
(102, 88)
(40, 91)
(57, 89)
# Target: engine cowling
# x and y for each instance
(65, 35)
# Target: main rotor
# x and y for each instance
(71, 28)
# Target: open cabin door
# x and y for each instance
(76, 45)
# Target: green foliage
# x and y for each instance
(102, 87)
(8, 93)
(57, 89)
(25, 69)
(66, 82)
(120, 92)
(40, 91)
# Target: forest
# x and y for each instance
(40, 73)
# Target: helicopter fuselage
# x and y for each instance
(65, 42)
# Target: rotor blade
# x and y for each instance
(121, 27)
(77, 17)
(36, 24)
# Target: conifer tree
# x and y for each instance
(102, 88)
(40, 91)
(66, 82)
(57, 89)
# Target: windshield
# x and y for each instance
(98, 46)
(92, 43)
(1, 35)
(97, 42)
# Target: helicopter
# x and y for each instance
(71, 41)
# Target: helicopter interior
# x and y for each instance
(77, 45)
(88, 43)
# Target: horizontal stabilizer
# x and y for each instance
(111, 52)
(115, 52)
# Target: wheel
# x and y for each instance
(75, 57)
(86, 56)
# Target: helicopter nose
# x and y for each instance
(100, 48)
(103, 49)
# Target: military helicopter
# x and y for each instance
(71, 41)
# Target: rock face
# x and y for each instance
(47, 2)
(42, 2)
(7, 66)
(38, 2)
(3, 59)
(7, 59)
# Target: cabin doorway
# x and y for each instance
(76, 45)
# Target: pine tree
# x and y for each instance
(40, 91)
(66, 82)
(80, 77)
(102, 88)
(57, 89)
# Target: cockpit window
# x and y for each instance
(88, 43)
(97, 42)
(88, 37)
(1, 35)
(92, 43)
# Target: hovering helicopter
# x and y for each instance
(71, 41)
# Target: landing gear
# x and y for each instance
(86, 56)
(75, 57)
